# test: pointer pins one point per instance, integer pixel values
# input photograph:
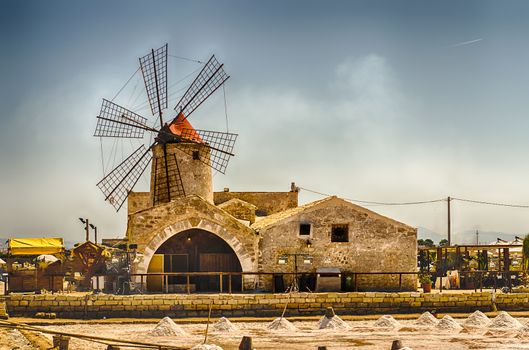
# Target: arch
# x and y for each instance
(245, 258)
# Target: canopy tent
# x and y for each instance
(35, 246)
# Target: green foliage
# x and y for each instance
(425, 278)
(525, 250)
(443, 242)
(425, 242)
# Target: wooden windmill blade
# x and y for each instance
(116, 121)
(210, 78)
(167, 177)
(219, 143)
(117, 184)
(154, 70)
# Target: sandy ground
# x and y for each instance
(363, 334)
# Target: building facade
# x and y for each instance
(264, 232)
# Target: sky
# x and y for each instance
(386, 101)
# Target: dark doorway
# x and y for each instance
(200, 251)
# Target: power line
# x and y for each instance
(378, 203)
(491, 203)
(510, 205)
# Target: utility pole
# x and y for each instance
(477, 237)
(95, 233)
(86, 227)
(449, 228)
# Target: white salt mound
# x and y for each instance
(387, 321)
(224, 325)
(477, 319)
(167, 327)
(332, 323)
(426, 319)
(523, 332)
(281, 324)
(206, 347)
(448, 323)
(504, 320)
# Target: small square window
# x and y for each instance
(340, 233)
(304, 229)
(196, 155)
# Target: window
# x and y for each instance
(196, 155)
(340, 233)
(304, 229)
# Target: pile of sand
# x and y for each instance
(426, 319)
(206, 347)
(167, 327)
(281, 324)
(387, 321)
(447, 323)
(477, 319)
(334, 322)
(224, 325)
(504, 320)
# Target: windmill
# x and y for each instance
(166, 178)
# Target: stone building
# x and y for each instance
(265, 232)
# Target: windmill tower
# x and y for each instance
(182, 157)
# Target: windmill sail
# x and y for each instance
(167, 180)
(154, 70)
(120, 181)
(116, 121)
(210, 78)
(220, 145)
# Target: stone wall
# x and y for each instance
(151, 227)
(268, 202)
(194, 173)
(137, 201)
(183, 305)
(239, 209)
(375, 243)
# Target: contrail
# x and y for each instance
(466, 42)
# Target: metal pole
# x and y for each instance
(87, 229)
(449, 228)
(95, 234)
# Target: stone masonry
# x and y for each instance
(193, 305)
(374, 244)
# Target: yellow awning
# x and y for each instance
(35, 246)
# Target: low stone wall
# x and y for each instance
(182, 305)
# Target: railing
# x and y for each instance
(229, 282)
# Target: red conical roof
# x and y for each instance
(183, 128)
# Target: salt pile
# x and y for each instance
(387, 321)
(426, 319)
(477, 319)
(206, 347)
(504, 320)
(281, 323)
(523, 332)
(224, 325)
(167, 327)
(447, 323)
(334, 322)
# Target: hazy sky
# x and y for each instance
(375, 100)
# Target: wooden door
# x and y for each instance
(216, 262)
(155, 283)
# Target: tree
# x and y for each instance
(428, 242)
(443, 242)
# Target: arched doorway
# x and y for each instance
(194, 250)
